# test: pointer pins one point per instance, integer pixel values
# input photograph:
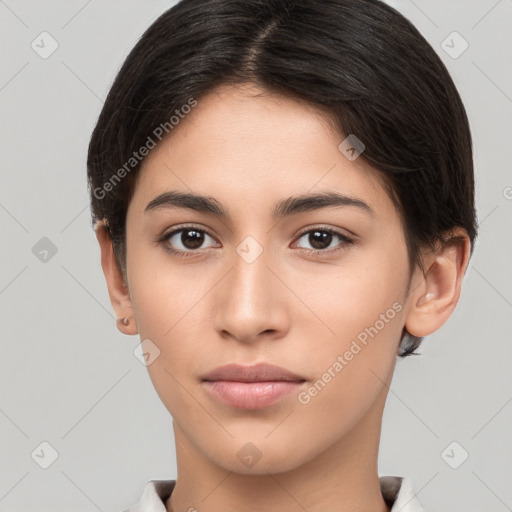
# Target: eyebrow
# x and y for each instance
(286, 207)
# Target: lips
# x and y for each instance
(258, 373)
(251, 387)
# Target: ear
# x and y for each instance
(436, 292)
(117, 287)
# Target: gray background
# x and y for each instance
(70, 379)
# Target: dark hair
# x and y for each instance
(360, 61)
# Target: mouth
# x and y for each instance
(251, 387)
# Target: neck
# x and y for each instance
(343, 478)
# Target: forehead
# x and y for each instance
(254, 145)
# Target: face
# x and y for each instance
(318, 290)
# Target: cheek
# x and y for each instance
(161, 293)
(354, 365)
(169, 307)
(358, 296)
(362, 307)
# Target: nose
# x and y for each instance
(252, 302)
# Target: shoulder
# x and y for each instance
(398, 493)
(154, 496)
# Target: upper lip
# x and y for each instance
(261, 372)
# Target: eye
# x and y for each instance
(188, 240)
(321, 237)
(184, 241)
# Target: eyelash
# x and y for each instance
(345, 240)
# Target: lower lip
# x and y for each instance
(251, 395)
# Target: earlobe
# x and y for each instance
(123, 324)
(437, 291)
(117, 287)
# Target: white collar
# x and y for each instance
(395, 489)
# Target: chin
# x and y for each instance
(260, 457)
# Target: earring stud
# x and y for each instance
(124, 321)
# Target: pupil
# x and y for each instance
(197, 239)
(321, 237)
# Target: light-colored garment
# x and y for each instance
(397, 492)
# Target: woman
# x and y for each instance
(283, 195)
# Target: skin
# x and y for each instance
(289, 307)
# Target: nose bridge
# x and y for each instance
(249, 299)
(250, 277)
